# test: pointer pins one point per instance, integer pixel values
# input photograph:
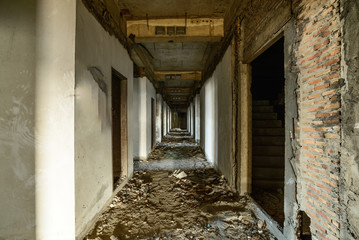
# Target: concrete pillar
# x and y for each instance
(158, 118)
(197, 129)
(55, 120)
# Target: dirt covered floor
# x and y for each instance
(193, 202)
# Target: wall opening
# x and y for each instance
(153, 123)
(304, 232)
(268, 131)
(119, 126)
(182, 118)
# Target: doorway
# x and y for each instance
(119, 126)
(268, 138)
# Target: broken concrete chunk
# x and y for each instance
(179, 174)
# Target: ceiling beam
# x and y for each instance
(169, 90)
(178, 75)
(176, 30)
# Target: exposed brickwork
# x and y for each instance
(318, 54)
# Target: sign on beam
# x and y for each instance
(178, 75)
(182, 29)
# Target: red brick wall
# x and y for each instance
(318, 56)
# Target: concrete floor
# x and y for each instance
(177, 195)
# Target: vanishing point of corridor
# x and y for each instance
(176, 194)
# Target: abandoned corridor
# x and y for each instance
(94, 93)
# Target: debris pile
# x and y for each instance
(272, 201)
(177, 195)
(196, 204)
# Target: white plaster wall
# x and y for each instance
(158, 118)
(140, 123)
(93, 142)
(164, 120)
(197, 102)
(191, 120)
(202, 99)
(223, 83)
(143, 93)
(151, 94)
(208, 120)
(136, 117)
(17, 124)
(216, 116)
(55, 119)
(143, 119)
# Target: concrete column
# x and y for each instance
(55, 122)
(158, 118)
(197, 102)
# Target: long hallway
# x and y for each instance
(176, 194)
(179, 119)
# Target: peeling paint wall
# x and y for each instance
(349, 164)
(17, 113)
(93, 127)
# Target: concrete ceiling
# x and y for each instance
(183, 56)
(140, 9)
(176, 54)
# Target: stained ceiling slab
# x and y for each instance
(141, 9)
(168, 52)
(177, 56)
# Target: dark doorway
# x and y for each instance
(119, 126)
(182, 119)
(268, 131)
(153, 123)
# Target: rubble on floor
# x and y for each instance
(176, 151)
(177, 195)
(272, 201)
(159, 205)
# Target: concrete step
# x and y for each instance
(267, 123)
(268, 131)
(268, 161)
(262, 109)
(261, 103)
(270, 174)
(268, 184)
(268, 140)
(268, 150)
(264, 116)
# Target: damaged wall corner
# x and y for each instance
(349, 160)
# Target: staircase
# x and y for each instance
(268, 146)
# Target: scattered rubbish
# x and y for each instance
(178, 203)
(179, 174)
